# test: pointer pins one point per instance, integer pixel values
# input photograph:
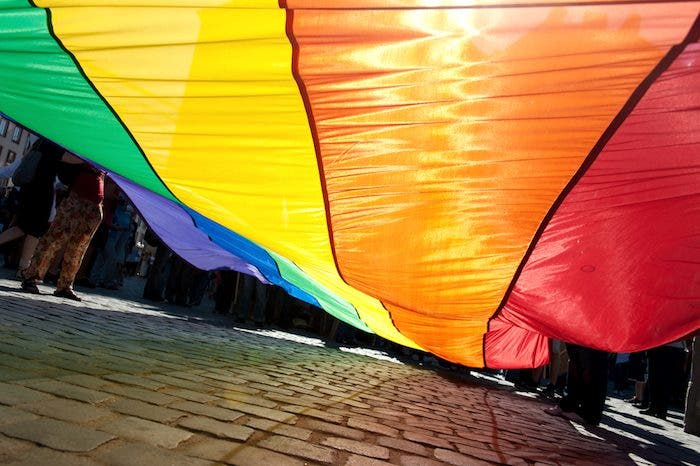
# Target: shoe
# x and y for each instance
(591, 422)
(29, 285)
(67, 293)
(554, 411)
(548, 391)
(651, 412)
(570, 416)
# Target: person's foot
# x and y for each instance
(548, 391)
(29, 285)
(67, 293)
(554, 411)
(569, 415)
(652, 412)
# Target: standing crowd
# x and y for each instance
(75, 223)
(57, 205)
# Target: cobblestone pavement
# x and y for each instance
(116, 381)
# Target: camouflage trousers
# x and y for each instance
(71, 231)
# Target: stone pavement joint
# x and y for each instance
(58, 435)
(152, 433)
(239, 454)
(217, 428)
(46, 456)
(9, 415)
(68, 391)
(136, 454)
(353, 446)
(67, 410)
(146, 411)
(117, 381)
(14, 394)
(222, 414)
(301, 448)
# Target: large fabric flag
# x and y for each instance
(466, 177)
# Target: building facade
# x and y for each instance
(15, 140)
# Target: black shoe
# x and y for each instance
(652, 412)
(67, 293)
(548, 391)
(29, 285)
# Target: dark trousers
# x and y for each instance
(225, 291)
(158, 274)
(587, 383)
(665, 369)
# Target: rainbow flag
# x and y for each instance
(465, 177)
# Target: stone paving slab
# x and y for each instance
(117, 381)
(149, 432)
(55, 434)
(46, 456)
(66, 410)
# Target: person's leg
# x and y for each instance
(28, 248)
(110, 260)
(49, 244)
(154, 288)
(667, 366)
(225, 290)
(87, 219)
(692, 401)
(574, 386)
(655, 382)
(595, 378)
(172, 283)
(260, 302)
(97, 272)
(11, 234)
(46, 249)
(201, 281)
(620, 375)
(639, 390)
(536, 376)
(555, 362)
(120, 250)
(182, 282)
(246, 288)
